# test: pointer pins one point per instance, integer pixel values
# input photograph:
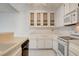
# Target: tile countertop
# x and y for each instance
(5, 47)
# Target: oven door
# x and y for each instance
(62, 48)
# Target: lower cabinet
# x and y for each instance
(55, 45)
(40, 43)
(33, 44)
(48, 43)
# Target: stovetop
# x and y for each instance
(69, 38)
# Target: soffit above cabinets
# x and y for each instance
(24, 7)
(20, 7)
(44, 6)
(6, 8)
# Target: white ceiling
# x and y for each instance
(22, 7)
(5, 7)
(45, 6)
(35, 6)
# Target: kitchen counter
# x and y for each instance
(73, 44)
(67, 31)
(8, 46)
(74, 47)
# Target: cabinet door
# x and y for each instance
(41, 43)
(67, 20)
(74, 17)
(31, 19)
(51, 19)
(32, 43)
(55, 45)
(73, 6)
(38, 19)
(66, 8)
(48, 43)
(45, 19)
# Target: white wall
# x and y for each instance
(22, 24)
(59, 16)
(7, 22)
(18, 22)
(14, 22)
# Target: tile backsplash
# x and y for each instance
(65, 30)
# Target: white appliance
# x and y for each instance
(72, 17)
(63, 45)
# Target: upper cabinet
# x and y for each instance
(38, 19)
(71, 13)
(66, 8)
(51, 19)
(73, 6)
(32, 19)
(41, 19)
(45, 20)
(69, 7)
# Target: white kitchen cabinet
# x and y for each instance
(45, 19)
(51, 19)
(32, 19)
(72, 6)
(74, 17)
(41, 19)
(66, 8)
(38, 19)
(48, 43)
(41, 43)
(67, 20)
(55, 45)
(71, 18)
(33, 43)
(69, 7)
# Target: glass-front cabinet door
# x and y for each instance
(45, 20)
(31, 19)
(51, 19)
(41, 19)
(38, 19)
